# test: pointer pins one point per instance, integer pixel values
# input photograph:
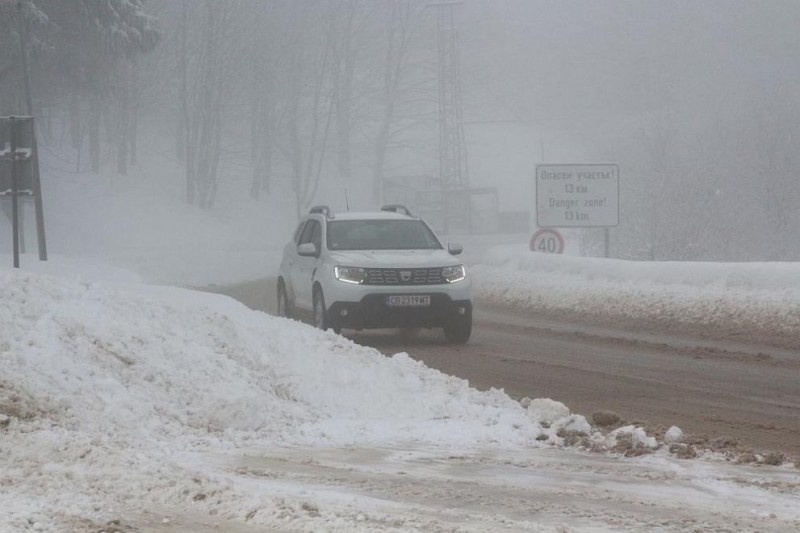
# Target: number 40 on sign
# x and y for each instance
(547, 240)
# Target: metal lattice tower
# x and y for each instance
(453, 171)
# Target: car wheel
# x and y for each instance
(320, 315)
(459, 329)
(284, 308)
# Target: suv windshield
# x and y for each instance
(381, 235)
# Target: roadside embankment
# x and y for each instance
(754, 303)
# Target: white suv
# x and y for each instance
(374, 270)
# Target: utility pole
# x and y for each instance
(453, 172)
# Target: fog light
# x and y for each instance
(344, 312)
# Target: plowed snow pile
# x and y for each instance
(751, 301)
(102, 384)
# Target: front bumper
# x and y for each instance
(373, 312)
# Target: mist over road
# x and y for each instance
(711, 389)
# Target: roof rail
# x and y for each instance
(320, 209)
(397, 208)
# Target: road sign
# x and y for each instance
(21, 128)
(548, 241)
(577, 196)
(19, 175)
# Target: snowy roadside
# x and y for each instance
(103, 380)
(750, 302)
(117, 397)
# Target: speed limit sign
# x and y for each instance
(548, 241)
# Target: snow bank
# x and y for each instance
(760, 299)
(149, 362)
(105, 385)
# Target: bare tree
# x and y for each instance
(402, 29)
(124, 90)
(201, 96)
(309, 102)
(264, 57)
(347, 20)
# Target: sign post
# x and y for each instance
(14, 188)
(578, 196)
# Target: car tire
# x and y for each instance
(459, 329)
(284, 307)
(320, 314)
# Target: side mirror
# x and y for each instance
(454, 248)
(307, 249)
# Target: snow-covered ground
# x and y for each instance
(757, 302)
(128, 406)
(122, 399)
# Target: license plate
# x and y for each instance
(408, 301)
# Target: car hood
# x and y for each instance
(394, 258)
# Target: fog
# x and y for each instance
(346, 103)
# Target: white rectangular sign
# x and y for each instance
(577, 196)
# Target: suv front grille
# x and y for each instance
(404, 276)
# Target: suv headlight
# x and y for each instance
(454, 274)
(350, 274)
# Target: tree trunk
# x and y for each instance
(123, 131)
(95, 113)
(344, 65)
(182, 130)
(134, 117)
(261, 118)
(75, 136)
